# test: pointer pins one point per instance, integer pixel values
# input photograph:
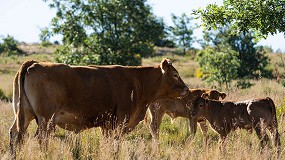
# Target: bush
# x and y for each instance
(65, 55)
(243, 84)
(46, 44)
(218, 66)
(5, 98)
(9, 46)
(82, 57)
(281, 109)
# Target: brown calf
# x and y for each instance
(177, 108)
(225, 116)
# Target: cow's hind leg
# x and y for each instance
(276, 138)
(263, 137)
(222, 142)
(46, 126)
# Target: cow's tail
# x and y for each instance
(276, 134)
(273, 111)
(22, 101)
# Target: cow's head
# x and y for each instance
(172, 84)
(195, 111)
(198, 107)
(214, 94)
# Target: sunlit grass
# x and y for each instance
(90, 144)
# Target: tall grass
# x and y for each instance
(90, 144)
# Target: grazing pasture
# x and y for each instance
(90, 144)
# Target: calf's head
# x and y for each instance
(172, 84)
(214, 94)
(198, 107)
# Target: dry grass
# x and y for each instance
(138, 144)
(37, 49)
(10, 65)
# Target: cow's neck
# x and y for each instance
(149, 78)
(214, 107)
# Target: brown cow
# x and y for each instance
(225, 116)
(177, 108)
(80, 97)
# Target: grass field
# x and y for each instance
(138, 144)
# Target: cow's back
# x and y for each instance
(85, 93)
(262, 108)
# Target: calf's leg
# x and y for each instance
(276, 138)
(156, 118)
(263, 137)
(204, 130)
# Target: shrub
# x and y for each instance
(76, 56)
(218, 66)
(46, 44)
(281, 109)
(5, 98)
(9, 46)
(243, 84)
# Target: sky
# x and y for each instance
(23, 19)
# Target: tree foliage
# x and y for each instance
(219, 66)
(9, 46)
(182, 31)
(113, 30)
(254, 63)
(253, 60)
(263, 16)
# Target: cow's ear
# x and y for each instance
(164, 65)
(205, 95)
(223, 95)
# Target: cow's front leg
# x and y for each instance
(222, 142)
(204, 130)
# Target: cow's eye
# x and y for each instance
(176, 76)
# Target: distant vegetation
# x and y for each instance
(9, 46)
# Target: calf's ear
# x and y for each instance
(164, 65)
(223, 95)
(205, 95)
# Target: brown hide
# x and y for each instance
(226, 116)
(177, 108)
(80, 97)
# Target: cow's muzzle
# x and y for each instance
(184, 92)
(193, 114)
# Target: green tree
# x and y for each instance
(253, 60)
(254, 63)
(117, 31)
(267, 49)
(263, 16)
(182, 31)
(219, 66)
(9, 46)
